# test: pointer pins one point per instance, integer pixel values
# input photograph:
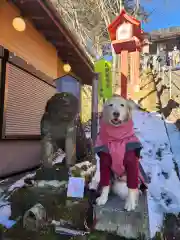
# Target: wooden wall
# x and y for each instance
(29, 45)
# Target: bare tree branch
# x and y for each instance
(88, 19)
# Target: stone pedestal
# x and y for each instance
(112, 218)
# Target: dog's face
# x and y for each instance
(117, 110)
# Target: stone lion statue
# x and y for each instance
(61, 128)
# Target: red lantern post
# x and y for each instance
(126, 36)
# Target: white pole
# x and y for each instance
(170, 83)
(159, 69)
(163, 69)
(116, 85)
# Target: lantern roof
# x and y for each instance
(123, 17)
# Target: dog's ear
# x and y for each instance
(129, 110)
(116, 95)
(133, 105)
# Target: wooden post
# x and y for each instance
(124, 73)
(114, 69)
(134, 72)
(94, 110)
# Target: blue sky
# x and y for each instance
(165, 13)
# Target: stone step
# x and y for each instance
(113, 219)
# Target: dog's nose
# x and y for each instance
(116, 114)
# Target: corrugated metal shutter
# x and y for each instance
(26, 100)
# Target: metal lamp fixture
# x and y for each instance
(66, 68)
(19, 24)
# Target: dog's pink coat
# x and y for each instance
(116, 138)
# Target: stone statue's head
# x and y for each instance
(62, 107)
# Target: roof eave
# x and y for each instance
(50, 9)
(48, 22)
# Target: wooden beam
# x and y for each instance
(26, 1)
(2, 2)
(36, 18)
(59, 44)
(48, 7)
(49, 33)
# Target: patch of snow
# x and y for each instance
(96, 178)
(88, 134)
(82, 164)
(52, 183)
(174, 137)
(59, 158)
(5, 213)
(20, 183)
(157, 161)
(4, 180)
(5, 209)
(155, 216)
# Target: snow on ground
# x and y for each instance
(5, 208)
(157, 160)
(59, 158)
(174, 137)
(20, 183)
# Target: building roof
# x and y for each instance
(165, 34)
(47, 20)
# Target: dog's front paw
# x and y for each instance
(132, 199)
(102, 200)
(104, 196)
(120, 188)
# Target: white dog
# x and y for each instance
(116, 112)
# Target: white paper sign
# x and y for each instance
(76, 187)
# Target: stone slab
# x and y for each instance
(112, 218)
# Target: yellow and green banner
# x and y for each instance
(104, 68)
